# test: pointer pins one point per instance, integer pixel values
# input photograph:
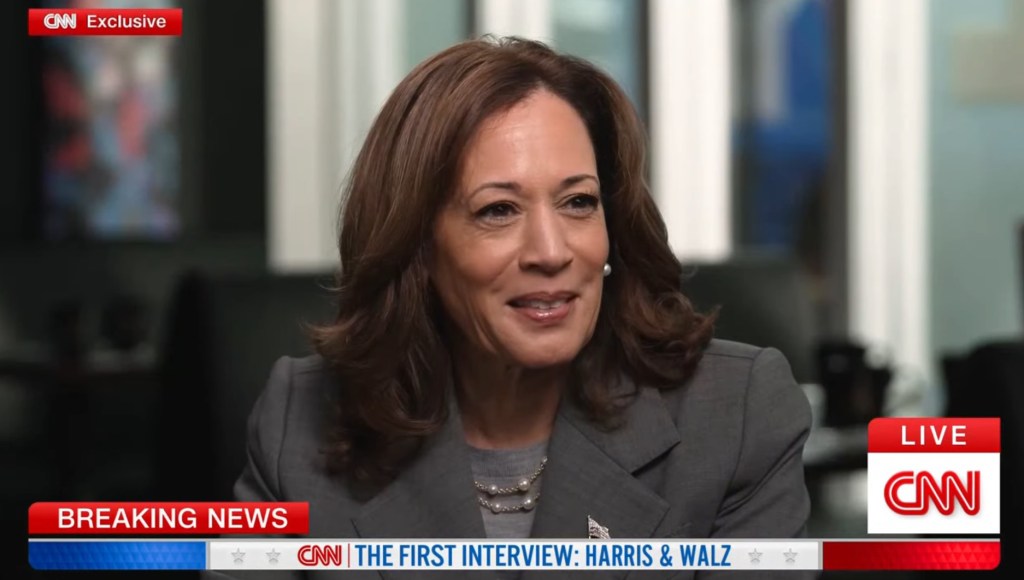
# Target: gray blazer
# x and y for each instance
(719, 457)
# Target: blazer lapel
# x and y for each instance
(590, 473)
(433, 497)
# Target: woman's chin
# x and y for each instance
(537, 357)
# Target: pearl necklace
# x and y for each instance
(522, 486)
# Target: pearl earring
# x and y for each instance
(607, 270)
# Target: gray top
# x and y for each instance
(504, 468)
(717, 457)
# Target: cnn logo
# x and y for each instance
(56, 20)
(942, 492)
(933, 476)
(323, 555)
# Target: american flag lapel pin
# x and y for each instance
(596, 531)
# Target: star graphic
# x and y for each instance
(273, 555)
(790, 556)
(238, 555)
(755, 556)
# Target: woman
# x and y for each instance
(512, 356)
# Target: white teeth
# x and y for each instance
(539, 304)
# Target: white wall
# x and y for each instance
(976, 198)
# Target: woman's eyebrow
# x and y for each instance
(573, 180)
(506, 185)
(514, 187)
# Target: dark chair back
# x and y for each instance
(223, 337)
(989, 382)
(764, 300)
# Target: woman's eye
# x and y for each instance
(497, 211)
(583, 203)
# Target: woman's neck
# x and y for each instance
(504, 406)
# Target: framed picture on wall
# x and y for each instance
(110, 137)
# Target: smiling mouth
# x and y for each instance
(539, 304)
(544, 309)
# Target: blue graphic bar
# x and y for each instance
(108, 555)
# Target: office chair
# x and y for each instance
(989, 382)
(764, 300)
(224, 334)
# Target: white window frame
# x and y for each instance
(331, 65)
(691, 96)
(888, 181)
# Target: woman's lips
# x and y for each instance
(544, 311)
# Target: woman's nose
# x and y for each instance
(545, 244)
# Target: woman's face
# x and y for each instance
(520, 247)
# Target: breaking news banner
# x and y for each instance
(167, 518)
(933, 476)
(104, 21)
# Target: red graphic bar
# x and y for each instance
(933, 435)
(104, 21)
(911, 555)
(142, 518)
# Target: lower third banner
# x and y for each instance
(277, 554)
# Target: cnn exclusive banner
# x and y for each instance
(104, 21)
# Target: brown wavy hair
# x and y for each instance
(387, 345)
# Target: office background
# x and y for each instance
(842, 176)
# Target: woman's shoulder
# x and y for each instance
(730, 349)
(737, 363)
(298, 380)
(299, 387)
(295, 405)
(733, 377)
(743, 420)
(287, 433)
(300, 376)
